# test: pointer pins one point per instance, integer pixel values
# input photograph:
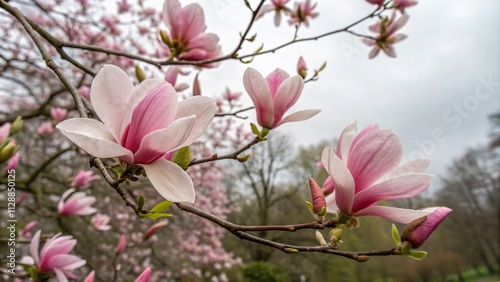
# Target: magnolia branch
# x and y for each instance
(239, 231)
(233, 155)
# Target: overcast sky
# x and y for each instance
(435, 95)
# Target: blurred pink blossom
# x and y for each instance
(231, 96)
(4, 131)
(45, 128)
(277, 6)
(153, 229)
(90, 277)
(122, 244)
(145, 275)
(58, 114)
(386, 28)
(75, 203)
(123, 6)
(83, 178)
(85, 92)
(376, 2)
(12, 163)
(100, 222)
(401, 5)
(302, 12)
(26, 232)
(274, 95)
(54, 256)
(365, 169)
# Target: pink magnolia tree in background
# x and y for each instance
(114, 163)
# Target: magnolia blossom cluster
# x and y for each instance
(386, 28)
(301, 13)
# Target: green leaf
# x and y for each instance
(417, 255)
(252, 38)
(395, 235)
(310, 206)
(259, 49)
(322, 67)
(156, 215)
(161, 207)
(255, 130)
(183, 157)
(140, 201)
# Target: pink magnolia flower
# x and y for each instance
(140, 125)
(153, 229)
(85, 92)
(145, 275)
(90, 277)
(83, 178)
(45, 128)
(26, 232)
(274, 95)
(386, 28)
(54, 256)
(75, 204)
(419, 230)
(277, 6)
(100, 222)
(376, 2)
(12, 163)
(4, 131)
(302, 12)
(171, 77)
(401, 5)
(302, 67)
(187, 32)
(58, 114)
(122, 244)
(123, 6)
(365, 170)
(231, 96)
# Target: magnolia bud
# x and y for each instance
(335, 235)
(417, 231)
(16, 125)
(122, 243)
(302, 67)
(318, 198)
(8, 151)
(196, 86)
(319, 237)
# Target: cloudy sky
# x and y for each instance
(436, 95)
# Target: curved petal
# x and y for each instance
(109, 94)
(94, 138)
(171, 10)
(374, 52)
(171, 181)
(374, 155)
(139, 92)
(403, 186)
(331, 204)
(203, 108)
(275, 79)
(399, 215)
(35, 242)
(389, 51)
(414, 166)
(159, 142)
(66, 262)
(192, 21)
(286, 96)
(60, 275)
(299, 116)
(344, 182)
(259, 92)
(205, 41)
(345, 141)
(156, 111)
